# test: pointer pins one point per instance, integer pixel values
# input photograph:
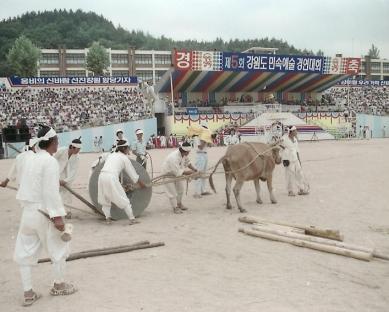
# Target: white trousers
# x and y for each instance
(201, 165)
(111, 191)
(37, 233)
(174, 192)
(294, 176)
(66, 196)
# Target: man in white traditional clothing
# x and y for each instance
(14, 173)
(68, 160)
(292, 164)
(202, 160)
(42, 224)
(139, 148)
(176, 164)
(110, 191)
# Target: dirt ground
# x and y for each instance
(207, 265)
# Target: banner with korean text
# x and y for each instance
(231, 61)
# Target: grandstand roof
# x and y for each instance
(243, 81)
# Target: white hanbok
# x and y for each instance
(175, 165)
(39, 190)
(14, 174)
(68, 167)
(293, 172)
(109, 188)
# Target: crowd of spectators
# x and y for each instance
(69, 109)
(365, 99)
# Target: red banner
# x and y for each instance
(353, 65)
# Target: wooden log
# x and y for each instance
(313, 239)
(86, 202)
(380, 256)
(309, 230)
(103, 252)
(141, 243)
(360, 255)
(118, 247)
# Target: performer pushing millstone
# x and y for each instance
(109, 188)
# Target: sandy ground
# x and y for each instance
(207, 265)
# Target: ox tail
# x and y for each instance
(211, 184)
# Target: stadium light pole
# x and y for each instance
(171, 92)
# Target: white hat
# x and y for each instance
(138, 131)
(119, 130)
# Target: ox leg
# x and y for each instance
(258, 190)
(237, 187)
(270, 188)
(228, 190)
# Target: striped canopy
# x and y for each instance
(243, 81)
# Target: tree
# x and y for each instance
(23, 57)
(374, 53)
(319, 53)
(97, 59)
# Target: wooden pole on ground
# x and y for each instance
(106, 251)
(86, 202)
(360, 255)
(313, 239)
(309, 230)
(141, 243)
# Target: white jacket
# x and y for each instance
(39, 183)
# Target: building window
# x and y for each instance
(159, 74)
(143, 59)
(386, 67)
(49, 58)
(75, 58)
(45, 73)
(145, 75)
(119, 58)
(376, 67)
(164, 59)
(120, 73)
(76, 73)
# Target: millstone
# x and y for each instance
(139, 198)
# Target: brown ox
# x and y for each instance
(246, 162)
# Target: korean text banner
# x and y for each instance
(230, 61)
(52, 81)
(361, 82)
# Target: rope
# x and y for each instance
(168, 178)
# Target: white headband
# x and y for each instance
(139, 131)
(50, 134)
(186, 148)
(32, 142)
(76, 145)
(122, 145)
